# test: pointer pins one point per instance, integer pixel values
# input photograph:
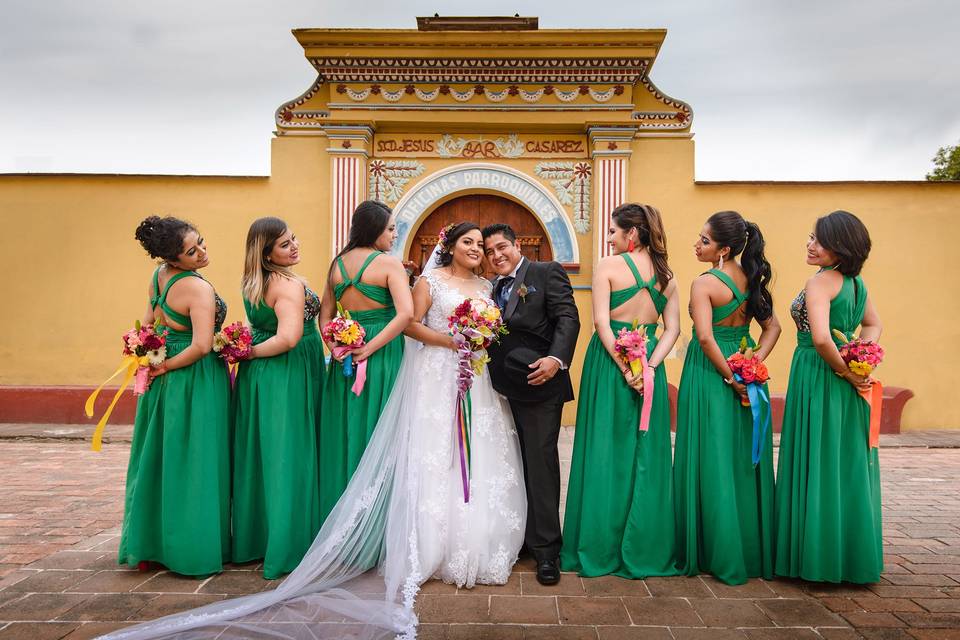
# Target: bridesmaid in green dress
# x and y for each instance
(177, 508)
(619, 515)
(828, 484)
(276, 509)
(724, 504)
(378, 297)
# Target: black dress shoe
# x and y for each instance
(548, 571)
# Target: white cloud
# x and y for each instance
(813, 90)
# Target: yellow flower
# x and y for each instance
(480, 363)
(860, 368)
(349, 335)
(491, 313)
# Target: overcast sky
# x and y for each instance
(813, 90)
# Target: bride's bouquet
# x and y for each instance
(750, 371)
(233, 343)
(862, 357)
(475, 324)
(347, 334)
(143, 347)
(631, 348)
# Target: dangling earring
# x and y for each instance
(631, 246)
(721, 262)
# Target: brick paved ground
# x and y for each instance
(61, 505)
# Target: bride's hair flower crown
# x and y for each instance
(444, 234)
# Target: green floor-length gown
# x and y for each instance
(619, 514)
(276, 508)
(347, 420)
(724, 504)
(177, 508)
(828, 478)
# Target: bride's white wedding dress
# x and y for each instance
(402, 519)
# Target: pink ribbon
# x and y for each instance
(357, 388)
(142, 381)
(647, 407)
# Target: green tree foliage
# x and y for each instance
(946, 164)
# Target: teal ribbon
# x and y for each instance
(348, 365)
(758, 401)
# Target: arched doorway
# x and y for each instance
(483, 209)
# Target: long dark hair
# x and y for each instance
(845, 236)
(646, 220)
(453, 233)
(729, 229)
(369, 220)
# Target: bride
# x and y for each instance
(402, 519)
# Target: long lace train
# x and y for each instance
(360, 576)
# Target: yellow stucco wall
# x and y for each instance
(75, 277)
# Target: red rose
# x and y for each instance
(748, 371)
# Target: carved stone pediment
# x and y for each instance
(384, 77)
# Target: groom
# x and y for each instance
(530, 367)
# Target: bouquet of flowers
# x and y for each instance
(631, 348)
(143, 347)
(752, 372)
(475, 324)
(234, 343)
(150, 349)
(862, 357)
(347, 334)
(747, 368)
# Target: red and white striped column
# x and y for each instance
(610, 148)
(610, 183)
(349, 150)
(348, 179)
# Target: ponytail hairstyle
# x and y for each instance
(262, 235)
(369, 221)
(646, 220)
(845, 236)
(729, 229)
(448, 239)
(163, 237)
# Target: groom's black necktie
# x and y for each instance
(500, 295)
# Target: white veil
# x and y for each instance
(431, 262)
(361, 574)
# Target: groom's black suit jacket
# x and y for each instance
(544, 321)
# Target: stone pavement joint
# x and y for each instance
(62, 505)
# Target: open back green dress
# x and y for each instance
(276, 508)
(724, 504)
(347, 420)
(177, 507)
(619, 513)
(828, 477)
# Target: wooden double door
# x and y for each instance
(483, 209)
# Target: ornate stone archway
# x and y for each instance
(482, 177)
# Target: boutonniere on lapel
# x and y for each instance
(524, 290)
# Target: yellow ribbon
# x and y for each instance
(130, 364)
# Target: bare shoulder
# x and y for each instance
(194, 285)
(608, 263)
(389, 261)
(283, 286)
(824, 281)
(703, 283)
(671, 287)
